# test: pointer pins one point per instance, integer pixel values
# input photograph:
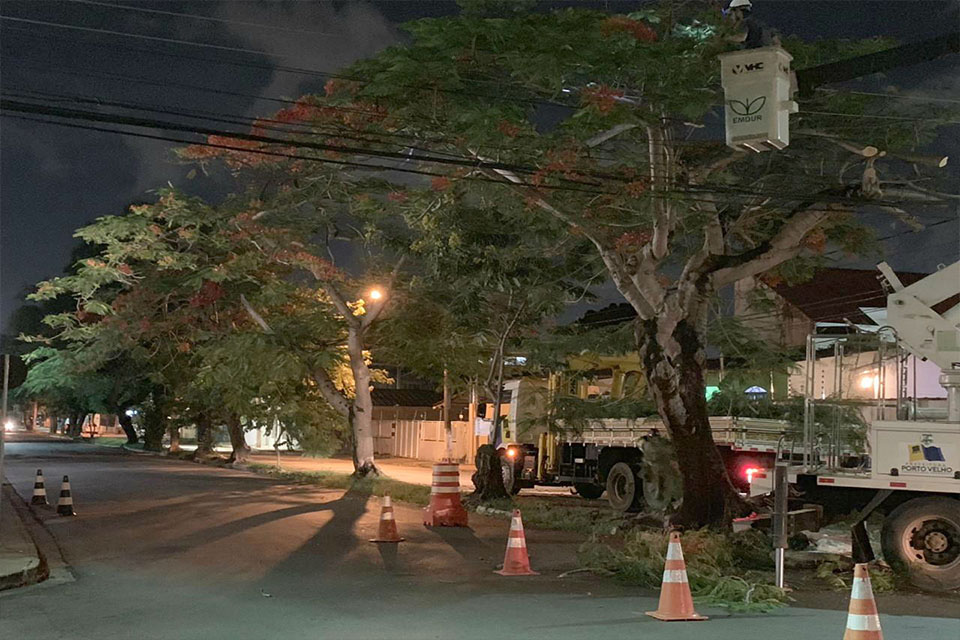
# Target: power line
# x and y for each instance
(283, 68)
(461, 161)
(142, 36)
(877, 116)
(889, 95)
(199, 17)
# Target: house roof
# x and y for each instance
(833, 295)
(405, 397)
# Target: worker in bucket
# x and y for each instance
(748, 31)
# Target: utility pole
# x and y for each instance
(3, 426)
(447, 423)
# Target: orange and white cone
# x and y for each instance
(445, 508)
(516, 562)
(676, 601)
(65, 503)
(863, 622)
(388, 524)
(39, 490)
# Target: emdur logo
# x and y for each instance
(748, 107)
(744, 68)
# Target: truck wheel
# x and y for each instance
(509, 476)
(588, 490)
(921, 538)
(622, 490)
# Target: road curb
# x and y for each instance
(141, 452)
(26, 565)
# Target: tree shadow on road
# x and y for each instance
(464, 541)
(332, 545)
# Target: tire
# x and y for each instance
(921, 539)
(623, 490)
(588, 490)
(509, 476)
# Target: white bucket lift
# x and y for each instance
(757, 89)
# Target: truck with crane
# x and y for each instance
(911, 471)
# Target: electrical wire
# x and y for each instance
(112, 32)
(888, 95)
(473, 163)
(285, 68)
(199, 17)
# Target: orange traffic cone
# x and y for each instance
(65, 503)
(445, 508)
(515, 560)
(388, 525)
(39, 491)
(863, 623)
(676, 601)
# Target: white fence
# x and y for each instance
(423, 439)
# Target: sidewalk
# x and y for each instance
(19, 559)
(402, 469)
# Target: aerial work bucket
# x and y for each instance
(757, 88)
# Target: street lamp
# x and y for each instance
(376, 294)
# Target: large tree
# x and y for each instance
(606, 125)
(169, 289)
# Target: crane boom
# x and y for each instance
(922, 330)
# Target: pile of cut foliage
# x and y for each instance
(732, 570)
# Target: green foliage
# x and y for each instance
(378, 486)
(576, 414)
(726, 570)
(160, 305)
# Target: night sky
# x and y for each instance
(53, 179)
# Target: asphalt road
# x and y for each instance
(173, 550)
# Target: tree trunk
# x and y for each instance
(54, 424)
(76, 425)
(154, 422)
(204, 436)
(674, 362)
(174, 432)
(488, 478)
(241, 452)
(32, 424)
(362, 410)
(126, 423)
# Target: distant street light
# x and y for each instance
(376, 294)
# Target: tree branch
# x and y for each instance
(783, 246)
(328, 390)
(627, 285)
(330, 393)
(253, 314)
(375, 309)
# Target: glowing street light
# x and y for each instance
(376, 294)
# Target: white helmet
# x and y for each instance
(737, 4)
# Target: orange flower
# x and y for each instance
(622, 24)
(602, 97)
(440, 183)
(508, 129)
